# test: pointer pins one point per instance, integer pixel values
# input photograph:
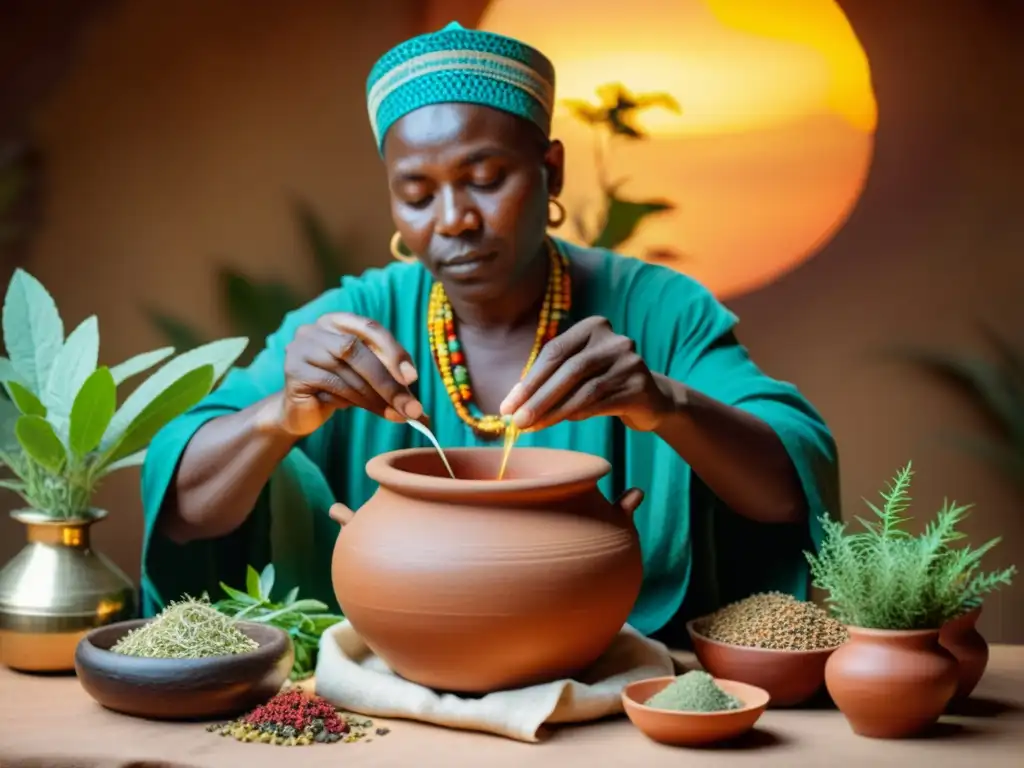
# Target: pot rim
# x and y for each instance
(872, 632)
(32, 516)
(695, 633)
(585, 471)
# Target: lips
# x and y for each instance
(467, 264)
(466, 258)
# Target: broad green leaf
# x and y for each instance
(27, 403)
(252, 583)
(141, 362)
(267, 581)
(307, 606)
(134, 460)
(168, 405)
(181, 335)
(33, 329)
(622, 217)
(40, 442)
(241, 597)
(75, 362)
(290, 597)
(218, 354)
(91, 412)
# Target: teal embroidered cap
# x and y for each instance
(459, 65)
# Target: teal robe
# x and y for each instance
(697, 553)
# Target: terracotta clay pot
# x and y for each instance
(475, 585)
(961, 637)
(891, 684)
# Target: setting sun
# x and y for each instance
(771, 148)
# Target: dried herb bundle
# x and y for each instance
(304, 620)
(189, 629)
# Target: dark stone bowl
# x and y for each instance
(218, 687)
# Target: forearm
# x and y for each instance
(222, 472)
(737, 455)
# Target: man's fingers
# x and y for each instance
(392, 354)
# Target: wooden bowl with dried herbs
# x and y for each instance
(191, 662)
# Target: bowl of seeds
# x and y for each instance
(771, 640)
(190, 662)
(694, 709)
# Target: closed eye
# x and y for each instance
(419, 203)
(489, 184)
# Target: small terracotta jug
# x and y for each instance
(474, 585)
(891, 684)
(960, 636)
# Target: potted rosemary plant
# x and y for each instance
(894, 591)
(63, 429)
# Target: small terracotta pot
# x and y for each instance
(475, 585)
(891, 684)
(960, 636)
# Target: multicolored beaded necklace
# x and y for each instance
(451, 362)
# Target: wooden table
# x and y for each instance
(51, 722)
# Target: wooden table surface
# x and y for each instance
(51, 722)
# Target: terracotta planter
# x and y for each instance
(475, 585)
(961, 637)
(891, 684)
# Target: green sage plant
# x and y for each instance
(63, 426)
(882, 577)
(304, 620)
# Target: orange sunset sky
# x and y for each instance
(774, 142)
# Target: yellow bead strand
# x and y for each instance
(450, 357)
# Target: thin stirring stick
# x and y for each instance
(430, 436)
(511, 435)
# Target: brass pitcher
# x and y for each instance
(54, 591)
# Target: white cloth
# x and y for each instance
(352, 677)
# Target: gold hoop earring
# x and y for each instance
(559, 218)
(397, 252)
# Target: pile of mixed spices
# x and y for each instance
(189, 629)
(294, 718)
(773, 620)
(694, 691)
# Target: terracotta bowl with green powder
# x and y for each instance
(693, 709)
(224, 677)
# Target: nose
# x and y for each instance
(456, 216)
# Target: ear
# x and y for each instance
(554, 165)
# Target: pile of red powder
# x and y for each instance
(291, 718)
